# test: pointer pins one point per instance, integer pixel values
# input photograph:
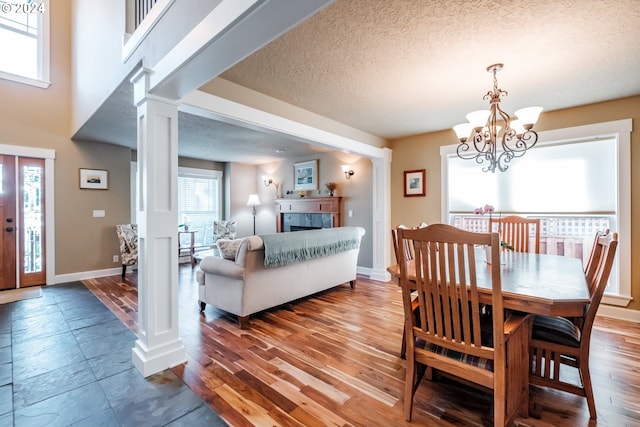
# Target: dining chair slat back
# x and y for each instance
(557, 341)
(408, 246)
(407, 255)
(597, 251)
(452, 335)
(518, 232)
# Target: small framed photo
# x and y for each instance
(95, 179)
(305, 175)
(414, 183)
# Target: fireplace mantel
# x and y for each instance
(324, 205)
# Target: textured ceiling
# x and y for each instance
(401, 67)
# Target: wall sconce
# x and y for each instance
(348, 173)
(268, 181)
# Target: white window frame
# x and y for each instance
(44, 58)
(182, 171)
(620, 130)
(205, 174)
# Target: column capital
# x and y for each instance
(141, 80)
(141, 83)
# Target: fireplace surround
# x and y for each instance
(314, 212)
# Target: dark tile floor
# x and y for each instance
(65, 360)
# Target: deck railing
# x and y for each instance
(568, 236)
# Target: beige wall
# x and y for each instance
(356, 192)
(34, 117)
(423, 152)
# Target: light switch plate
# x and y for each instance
(98, 213)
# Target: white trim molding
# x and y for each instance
(49, 220)
(620, 130)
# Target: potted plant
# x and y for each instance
(331, 186)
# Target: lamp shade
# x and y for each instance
(463, 130)
(529, 115)
(478, 119)
(254, 200)
(517, 126)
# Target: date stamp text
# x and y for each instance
(21, 8)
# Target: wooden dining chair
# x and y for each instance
(557, 341)
(595, 257)
(408, 249)
(451, 337)
(516, 232)
(407, 256)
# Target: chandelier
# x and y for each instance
(479, 137)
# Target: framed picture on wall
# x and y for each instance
(414, 183)
(95, 179)
(305, 175)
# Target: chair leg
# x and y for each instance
(124, 270)
(409, 388)
(588, 389)
(403, 348)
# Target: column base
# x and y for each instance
(380, 275)
(152, 361)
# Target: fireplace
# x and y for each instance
(305, 214)
(301, 228)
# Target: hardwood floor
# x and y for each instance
(333, 359)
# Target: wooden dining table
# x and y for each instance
(533, 283)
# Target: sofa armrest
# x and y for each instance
(221, 267)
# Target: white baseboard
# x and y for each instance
(365, 271)
(619, 313)
(82, 275)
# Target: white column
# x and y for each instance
(158, 346)
(381, 216)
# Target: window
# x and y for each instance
(576, 180)
(24, 42)
(199, 200)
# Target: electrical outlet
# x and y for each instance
(115, 258)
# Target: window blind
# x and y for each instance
(568, 178)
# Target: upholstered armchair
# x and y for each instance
(128, 237)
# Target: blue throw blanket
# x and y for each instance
(287, 248)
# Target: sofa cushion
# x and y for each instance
(224, 230)
(229, 248)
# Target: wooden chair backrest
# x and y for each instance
(445, 279)
(516, 231)
(598, 284)
(408, 246)
(595, 257)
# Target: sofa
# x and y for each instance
(272, 269)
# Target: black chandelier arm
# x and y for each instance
(519, 144)
(504, 158)
(480, 147)
(491, 159)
